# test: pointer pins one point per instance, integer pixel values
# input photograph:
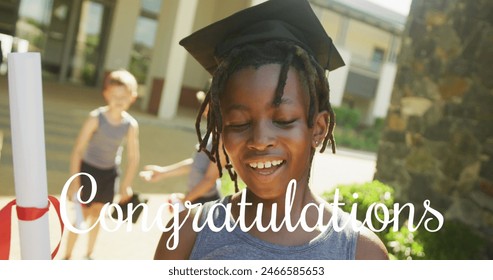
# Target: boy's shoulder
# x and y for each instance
(130, 118)
(370, 247)
(96, 112)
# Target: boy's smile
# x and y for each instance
(264, 167)
(268, 145)
(268, 166)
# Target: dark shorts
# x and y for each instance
(105, 180)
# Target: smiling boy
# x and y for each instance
(269, 106)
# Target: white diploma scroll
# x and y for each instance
(28, 147)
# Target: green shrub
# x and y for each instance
(228, 186)
(356, 139)
(350, 134)
(367, 194)
(454, 241)
(347, 117)
(402, 244)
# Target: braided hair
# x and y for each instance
(286, 54)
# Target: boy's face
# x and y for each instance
(118, 97)
(268, 145)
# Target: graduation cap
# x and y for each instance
(291, 20)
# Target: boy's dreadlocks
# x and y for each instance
(255, 55)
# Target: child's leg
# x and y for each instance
(71, 239)
(79, 222)
(92, 214)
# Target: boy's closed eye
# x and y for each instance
(236, 119)
(284, 122)
(286, 115)
(238, 126)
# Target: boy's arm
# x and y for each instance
(185, 237)
(370, 247)
(207, 182)
(85, 134)
(133, 157)
(154, 173)
(209, 179)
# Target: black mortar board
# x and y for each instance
(292, 20)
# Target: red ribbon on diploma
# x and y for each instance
(24, 214)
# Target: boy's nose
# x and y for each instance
(262, 136)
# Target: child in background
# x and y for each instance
(203, 176)
(269, 106)
(98, 151)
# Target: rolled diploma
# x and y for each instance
(28, 147)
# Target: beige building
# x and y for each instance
(81, 40)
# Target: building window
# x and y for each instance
(33, 23)
(377, 58)
(150, 6)
(145, 34)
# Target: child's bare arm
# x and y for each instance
(85, 134)
(207, 182)
(186, 239)
(370, 247)
(154, 173)
(133, 157)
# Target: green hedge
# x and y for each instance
(347, 117)
(454, 241)
(350, 133)
(228, 186)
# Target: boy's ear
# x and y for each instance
(320, 128)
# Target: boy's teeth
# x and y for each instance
(266, 164)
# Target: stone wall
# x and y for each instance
(438, 139)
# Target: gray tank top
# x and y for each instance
(239, 245)
(199, 167)
(105, 147)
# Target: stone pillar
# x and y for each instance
(438, 139)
